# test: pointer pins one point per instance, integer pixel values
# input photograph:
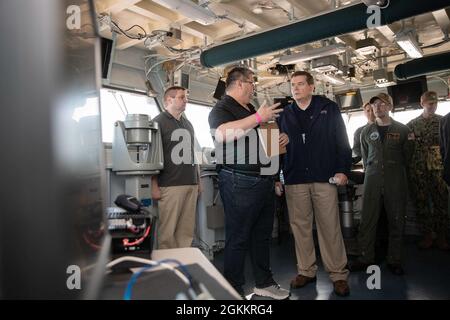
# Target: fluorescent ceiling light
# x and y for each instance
(190, 10)
(257, 10)
(378, 3)
(313, 54)
(409, 44)
(333, 79)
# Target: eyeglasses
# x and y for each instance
(251, 82)
(379, 104)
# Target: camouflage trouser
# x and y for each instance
(429, 186)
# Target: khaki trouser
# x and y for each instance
(177, 216)
(322, 199)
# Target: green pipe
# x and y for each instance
(423, 66)
(330, 24)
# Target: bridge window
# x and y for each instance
(198, 116)
(116, 104)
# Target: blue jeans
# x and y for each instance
(249, 205)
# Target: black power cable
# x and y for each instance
(124, 32)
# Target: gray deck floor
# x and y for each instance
(427, 275)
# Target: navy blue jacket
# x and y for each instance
(325, 151)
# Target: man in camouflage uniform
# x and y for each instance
(386, 149)
(427, 185)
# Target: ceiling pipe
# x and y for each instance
(326, 25)
(423, 66)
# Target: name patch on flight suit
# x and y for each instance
(393, 136)
(374, 136)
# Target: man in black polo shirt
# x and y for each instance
(177, 186)
(247, 195)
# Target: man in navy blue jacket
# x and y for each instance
(318, 150)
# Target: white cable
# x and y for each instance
(149, 262)
(160, 62)
(152, 55)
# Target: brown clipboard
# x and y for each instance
(267, 132)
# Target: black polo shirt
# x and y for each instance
(227, 110)
(175, 174)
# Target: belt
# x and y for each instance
(245, 173)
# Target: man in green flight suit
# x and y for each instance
(386, 149)
(425, 175)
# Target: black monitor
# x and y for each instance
(284, 101)
(406, 94)
(54, 243)
(220, 90)
(106, 46)
(349, 100)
